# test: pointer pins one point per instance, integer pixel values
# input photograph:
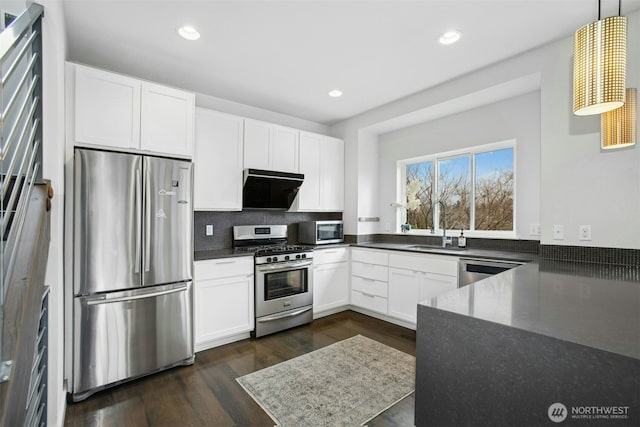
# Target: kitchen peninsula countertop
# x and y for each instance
(589, 304)
(511, 345)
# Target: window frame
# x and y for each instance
(401, 214)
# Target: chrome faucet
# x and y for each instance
(444, 224)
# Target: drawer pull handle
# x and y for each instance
(368, 295)
(225, 262)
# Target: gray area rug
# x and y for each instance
(344, 384)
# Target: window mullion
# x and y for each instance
(472, 216)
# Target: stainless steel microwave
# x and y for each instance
(320, 232)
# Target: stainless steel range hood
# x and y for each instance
(264, 189)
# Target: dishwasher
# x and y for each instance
(472, 270)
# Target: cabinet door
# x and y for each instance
(330, 286)
(218, 161)
(223, 307)
(167, 120)
(403, 294)
(332, 183)
(432, 285)
(309, 198)
(284, 149)
(107, 109)
(256, 144)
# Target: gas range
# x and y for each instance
(268, 243)
(283, 277)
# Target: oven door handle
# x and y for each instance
(284, 266)
(282, 316)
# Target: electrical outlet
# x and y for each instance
(534, 229)
(558, 232)
(209, 229)
(584, 232)
(387, 226)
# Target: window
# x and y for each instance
(473, 190)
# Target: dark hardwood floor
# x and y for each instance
(207, 394)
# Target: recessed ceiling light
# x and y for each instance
(450, 37)
(335, 93)
(188, 32)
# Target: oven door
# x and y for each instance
(283, 286)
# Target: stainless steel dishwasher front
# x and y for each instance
(472, 270)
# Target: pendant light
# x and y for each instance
(599, 65)
(619, 127)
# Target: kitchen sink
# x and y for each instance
(432, 248)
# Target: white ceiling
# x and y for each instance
(285, 56)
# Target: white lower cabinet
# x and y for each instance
(421, 277)
(407, 288)
(369, 279)
(223, 301)
(330, 280)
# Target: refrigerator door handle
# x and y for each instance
(104, 300)
(138, 213)
(147, 231)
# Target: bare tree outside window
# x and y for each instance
(492, 185)
(454, 190)
(421, 217)
(494, 190)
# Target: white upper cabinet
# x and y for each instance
(269, 146)
(166, 120)
(332, 174)
(322, 163)
(107, 108)
(116, 111)
(309, 197)
(218, 161)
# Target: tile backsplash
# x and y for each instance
(223, 223)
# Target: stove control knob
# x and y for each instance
(286, 258)
(268, 259)
(298, 256)
(275, 258)
(304, 255)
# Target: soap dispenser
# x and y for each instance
(462, 241)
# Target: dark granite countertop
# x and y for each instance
(231, 252)
(595, 305)
(219, 253)
(453, 251)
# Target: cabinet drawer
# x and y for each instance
(223, 267)
(439, 264)
(328, 256)
(370, 302)
(369, 286)
(370, 257)
(370, 271)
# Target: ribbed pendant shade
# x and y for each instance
(599, 64)
(619, 127)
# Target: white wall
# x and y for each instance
(517, 118)
(579, 183)
(230, 107)
(54, 54)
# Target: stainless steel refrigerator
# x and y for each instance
(132, 272)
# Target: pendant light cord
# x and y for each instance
(619, 7)
(598, 10)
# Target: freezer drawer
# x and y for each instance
(123, 335)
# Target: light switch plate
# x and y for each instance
(558, 232)
(534, 229)
(209, 230)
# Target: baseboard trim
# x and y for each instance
(384, 317)
(221, 341)
(329, 312)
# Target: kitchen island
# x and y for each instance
(501, 351)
